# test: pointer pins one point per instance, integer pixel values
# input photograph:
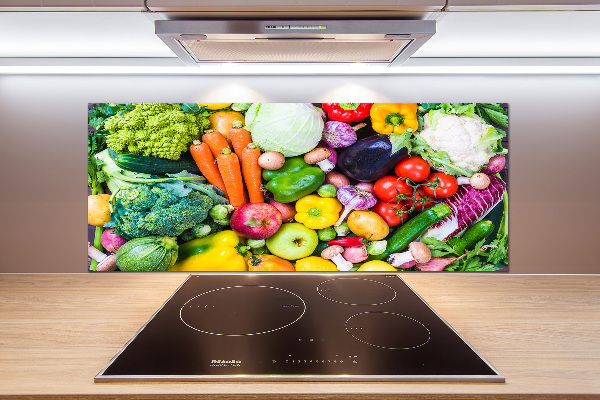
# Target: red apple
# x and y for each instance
(256, 220)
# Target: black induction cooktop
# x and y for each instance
(290, 327)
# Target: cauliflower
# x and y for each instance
(468, 141)
(154, 129)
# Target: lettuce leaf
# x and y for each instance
(455, 248)
(492, 113)
(451, 108)
(400, 140)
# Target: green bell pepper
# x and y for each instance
(294, 180)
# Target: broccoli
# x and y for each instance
(154, 129)
(138, 198)
(143, 210)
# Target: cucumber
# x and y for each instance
(410, 231)
(477, 232)
(320, 247)
(153, 165)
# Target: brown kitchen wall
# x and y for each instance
(554, 143)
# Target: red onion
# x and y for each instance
(287, 211)
(437, 264)
(111, 241)
(355, 254)
(495, 165)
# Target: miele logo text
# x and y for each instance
(225, 363)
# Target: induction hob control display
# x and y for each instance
(313, 327)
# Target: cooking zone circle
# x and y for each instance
(388, 330)
(356, 291)
(242, 310)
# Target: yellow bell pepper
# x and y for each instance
(316, 212)
(315, 264)
(216, 252)
(214, 106)
(394, 117)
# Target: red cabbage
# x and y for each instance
(468, 206)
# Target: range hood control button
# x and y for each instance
(322, 27)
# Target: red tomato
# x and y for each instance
(421, 203)
(391, 212)
(440, 185)
(413, 167)
(389, 187)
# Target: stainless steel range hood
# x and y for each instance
(387, 42)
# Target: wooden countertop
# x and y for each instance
(542, 332)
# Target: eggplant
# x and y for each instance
(370, 158)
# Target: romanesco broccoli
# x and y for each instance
(154, 129)
(100, 112)
(143, 210)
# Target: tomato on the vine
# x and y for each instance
(440, 185)
(421, 201)
(414, 168)
(391, 212)
(389, 187)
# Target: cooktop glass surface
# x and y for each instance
(311, 327)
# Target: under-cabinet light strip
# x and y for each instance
(578, 66)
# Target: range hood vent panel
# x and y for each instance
(389, 42)
(295, 51)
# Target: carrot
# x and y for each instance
(240, 138)
(216, 142)
(252, 173)
(229, 166)
(206, 164)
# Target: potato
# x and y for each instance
(98, 209)
(368, 224)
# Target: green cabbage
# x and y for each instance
(289, 128)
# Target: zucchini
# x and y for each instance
(410, 231)
(476, 233)
(150, 253)
(153, 165)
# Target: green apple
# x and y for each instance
(293, 241)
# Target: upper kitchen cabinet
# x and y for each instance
(72, 5)
(300, 8)
(521, 5)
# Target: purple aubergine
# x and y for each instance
(339, 134)
(370, 158)
(468, 205)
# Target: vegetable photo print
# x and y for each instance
(297, 187)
